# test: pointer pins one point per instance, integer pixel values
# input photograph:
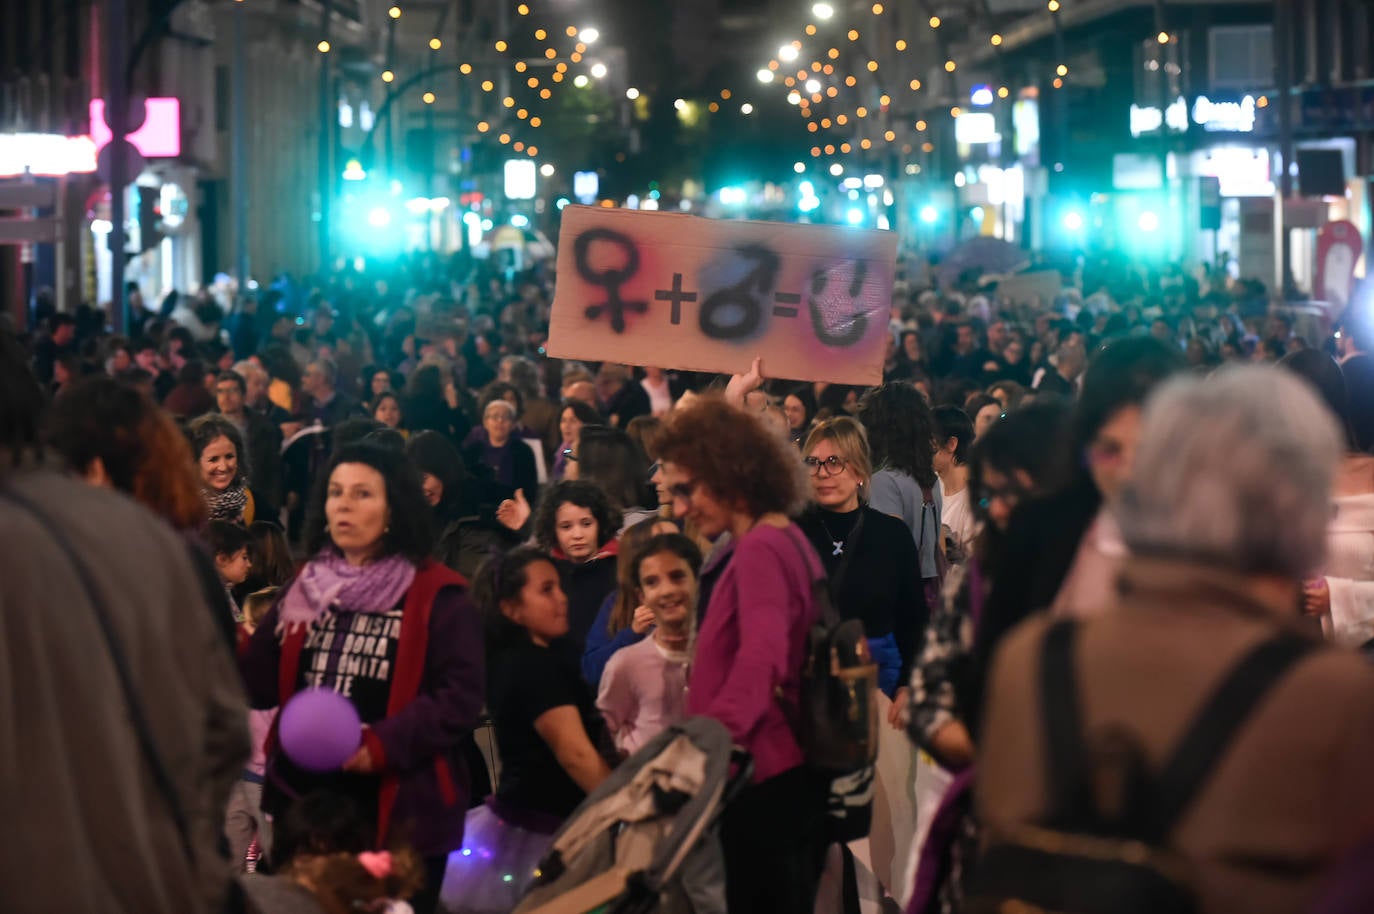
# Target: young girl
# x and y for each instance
(623, 619)
(245, 826)
(323, 865)
(577, 524)
(553, 741)
(229, 543)
(644, 688)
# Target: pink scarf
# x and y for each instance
(328, 582)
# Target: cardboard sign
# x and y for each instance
(1028, 288)
(681, 292)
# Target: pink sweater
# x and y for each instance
(753, 640)
(643, 692)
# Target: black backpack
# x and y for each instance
(1079, 860)
(836, 719)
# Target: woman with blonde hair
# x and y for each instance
(873, 568)
(875, 576)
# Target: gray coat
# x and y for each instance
(86, 827)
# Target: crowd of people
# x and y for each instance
(1062, 524)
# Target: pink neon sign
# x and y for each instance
(158, 138)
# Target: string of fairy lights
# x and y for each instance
(533, 89)
(853, 94)
(824, 90)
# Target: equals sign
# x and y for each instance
(785, 299)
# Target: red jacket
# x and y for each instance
(436, 697)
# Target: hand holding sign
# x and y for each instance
(650, 288)
(742, 385)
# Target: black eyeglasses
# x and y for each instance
(569, 455)
(834, 465)
(653, 470)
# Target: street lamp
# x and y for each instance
(598, 71)
(822, 10)
(588, 35)
(765, 75)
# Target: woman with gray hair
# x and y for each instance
(1225, 515)
(501, 452)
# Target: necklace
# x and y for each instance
(838, 544)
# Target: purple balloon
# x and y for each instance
(319, 729)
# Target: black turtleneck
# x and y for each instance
(882, 582)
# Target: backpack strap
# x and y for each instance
(1066, 755)
(1221, 718)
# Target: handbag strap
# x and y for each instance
(161, 779)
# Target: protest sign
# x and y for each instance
(1039, 287)
(681, 292)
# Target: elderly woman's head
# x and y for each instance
(498, 418)
(725, 469)
(371, 506)
(1234, 470)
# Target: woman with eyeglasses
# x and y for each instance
(868, 555)
(1018, 458)
(727, 472)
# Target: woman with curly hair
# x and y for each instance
(901, 436)
(577, 524)
(728, 473)
(217, 448)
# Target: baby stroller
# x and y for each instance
(646, 839)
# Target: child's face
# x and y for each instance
(668, 587)
(233, 569)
